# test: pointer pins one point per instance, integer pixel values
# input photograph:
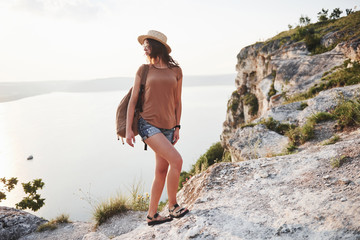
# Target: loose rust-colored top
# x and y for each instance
(160, 96)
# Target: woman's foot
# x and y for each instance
(177, 211)
(157, 219)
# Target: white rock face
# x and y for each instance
(256, 142)
(325, 101)
(289, 67)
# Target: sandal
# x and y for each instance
(155, 222)
(178, 213)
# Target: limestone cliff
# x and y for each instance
(270, 72)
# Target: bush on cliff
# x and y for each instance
(251, 100)
(214, 154)
(348, 113)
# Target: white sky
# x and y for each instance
(86, 39)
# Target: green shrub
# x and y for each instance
(299, 135)
(251, 100)
(213, 155)
(272, 90)
(184, 177)
(276, 126)
(313, 43)
(300, 33)
(321, 117)
(234, 102)
(291, 148)
(347, 113)
(344, 76)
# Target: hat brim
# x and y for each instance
(142, 38)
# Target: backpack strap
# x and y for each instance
(141, 91)
(142, 86)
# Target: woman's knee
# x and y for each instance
(177, 163)
(161, 173)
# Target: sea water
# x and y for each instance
(76, 152)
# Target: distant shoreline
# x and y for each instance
(19, 90)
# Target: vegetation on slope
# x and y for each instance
(345, 28)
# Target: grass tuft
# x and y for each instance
(348, 113)
(113, 206)
(338, 162)
(332, 140)
(53, 224)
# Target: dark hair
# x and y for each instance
(159, 50)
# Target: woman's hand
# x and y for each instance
(130, 137)
(176, 136)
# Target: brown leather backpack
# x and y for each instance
(121, 112)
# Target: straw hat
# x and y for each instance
(158, 36)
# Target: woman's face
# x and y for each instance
(147, 48)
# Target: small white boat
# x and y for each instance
(30, 157)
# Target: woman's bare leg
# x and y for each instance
(162, 147)
(161, 169)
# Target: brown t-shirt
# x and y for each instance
(160, 96)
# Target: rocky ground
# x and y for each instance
(298, 196)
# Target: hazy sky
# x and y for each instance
(87, 39)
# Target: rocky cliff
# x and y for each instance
(272, 72)
(295, 170)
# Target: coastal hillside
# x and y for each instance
(292, 133)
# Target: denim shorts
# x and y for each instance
(147, 130)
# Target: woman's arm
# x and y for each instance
(178, 109)
(130, 137)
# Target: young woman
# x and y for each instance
(159, 124)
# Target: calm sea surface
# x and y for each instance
(76, 152)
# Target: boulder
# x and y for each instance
(256, 142)
(15, 223)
